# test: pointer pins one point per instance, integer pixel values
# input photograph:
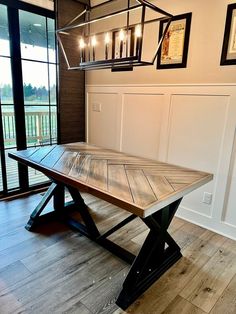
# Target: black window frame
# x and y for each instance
(13, 7)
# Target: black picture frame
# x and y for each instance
(179, 27)
(228, 54)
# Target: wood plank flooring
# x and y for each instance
(55, 270)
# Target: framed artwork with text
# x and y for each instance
(228, 55)
(174, 47)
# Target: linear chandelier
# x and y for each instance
(116, 34)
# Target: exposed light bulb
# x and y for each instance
(138, 31)
(122, 35)
(81, 43)
(94, 41)
(107, 38)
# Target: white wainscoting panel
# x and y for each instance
(195, 137)
(141, 124)
(103, 127)
(229, 214)
(190, 125)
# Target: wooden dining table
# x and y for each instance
(150, 190)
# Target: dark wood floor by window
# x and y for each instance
(55, 270)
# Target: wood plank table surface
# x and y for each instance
(149, 189)
(140, 185)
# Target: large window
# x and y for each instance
(27, 88)
(39, 77)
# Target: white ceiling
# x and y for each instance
(96, 2)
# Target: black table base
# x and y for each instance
(158, 253)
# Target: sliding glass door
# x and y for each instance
(28, 95)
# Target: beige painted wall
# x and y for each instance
(182, 116)
(206, 38)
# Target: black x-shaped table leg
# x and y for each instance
(154, 257)
(158, 253)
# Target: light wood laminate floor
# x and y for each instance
(55, 270)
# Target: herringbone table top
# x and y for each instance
(139, 185)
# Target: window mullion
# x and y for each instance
(18, 94)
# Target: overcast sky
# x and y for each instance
(34, 73)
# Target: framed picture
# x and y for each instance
(174, 48)
(123, 43)
(228, 55)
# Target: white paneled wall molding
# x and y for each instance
(189, 125)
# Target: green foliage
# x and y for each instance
(6, 91)
(32, 94)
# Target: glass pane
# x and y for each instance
(6, 95)
(8, 122)
(36, 177)
(51, 41)
(37, 125)
(35, 80)
(53, 110)
(12, 171)
(1, 183)
(33, 36)
(4, 33)
(52, 78)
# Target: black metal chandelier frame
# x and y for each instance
(116, 64)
